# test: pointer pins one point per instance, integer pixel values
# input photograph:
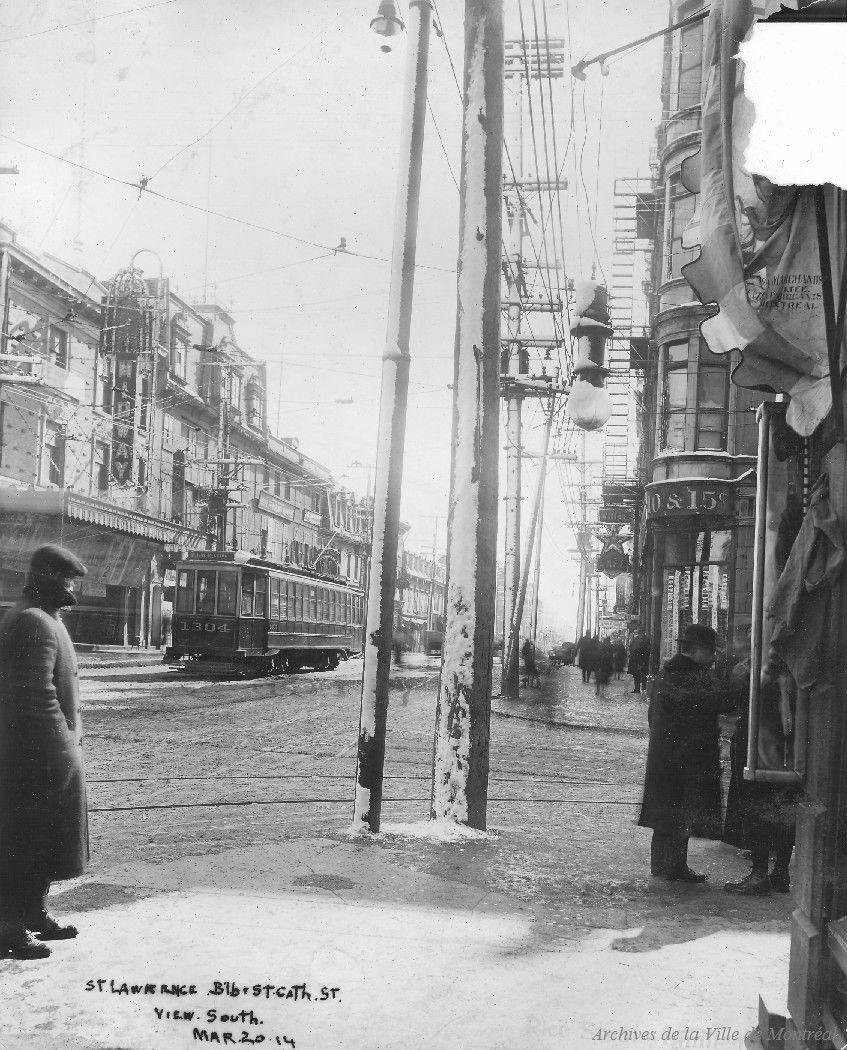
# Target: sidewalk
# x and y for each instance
(527, 937)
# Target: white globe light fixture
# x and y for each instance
(589, 403)
(589, 406)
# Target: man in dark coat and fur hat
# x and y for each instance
(682, 784)
(43, 811)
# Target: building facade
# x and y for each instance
(424, 579)
(132, 442)
(698, 430)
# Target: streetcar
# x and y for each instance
(236, 614)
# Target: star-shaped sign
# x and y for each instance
(612, 539)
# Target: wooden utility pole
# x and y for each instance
(512, 664)
(463, 712)
(370, 760)
(432, 576)
(523, 64)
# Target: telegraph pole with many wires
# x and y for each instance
(524, 63)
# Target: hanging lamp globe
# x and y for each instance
(589, 403)
(589, 406)
(387, 22)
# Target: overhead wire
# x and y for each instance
(86, 21)
(351, 253)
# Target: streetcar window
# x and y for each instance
(275, 598)
(283, 600)
(260, 603)
(322, 605)
(298, 607)
(206, 581)
(332, 608)
(247, 585)
(313, 604)
(227, 593)
(185, 590)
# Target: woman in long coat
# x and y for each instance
(43, 812)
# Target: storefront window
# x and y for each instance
(696, 589)
(227, 593)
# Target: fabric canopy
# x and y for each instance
(759, 260)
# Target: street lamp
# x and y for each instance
(589, 403)
(387, 22)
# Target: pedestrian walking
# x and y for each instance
(760, 816)
(639, 660)
(619, 653)
(604, 662)
(43, 811)
(682, 783)
(531, 676)
(584, 656)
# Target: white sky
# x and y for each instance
(312, 151)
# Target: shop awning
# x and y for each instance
(759, 258)
(115, 544)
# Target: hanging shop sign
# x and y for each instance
(613, 560)
(616, 515)
(612, 563)
(673, 499)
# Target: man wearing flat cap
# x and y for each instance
(682, 783)
(43, 812)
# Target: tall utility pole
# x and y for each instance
(432, 576)
(512, 663)
(463, 712)
(536, 576)
(583, 542)
(382, 583)
(524, 63)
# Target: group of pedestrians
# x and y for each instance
(682, 785)
(601, 658)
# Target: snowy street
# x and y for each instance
(218, 818)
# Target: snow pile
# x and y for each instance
(438, 830)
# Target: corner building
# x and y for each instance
(699, 433)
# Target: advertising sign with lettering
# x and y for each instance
(689, 497)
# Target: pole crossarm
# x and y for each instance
(520, 387)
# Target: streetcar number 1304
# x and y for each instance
(209, 628)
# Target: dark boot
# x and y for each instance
(20, 944)
(756, 884)
(46, 928)
(686, 875)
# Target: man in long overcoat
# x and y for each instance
(639, 660)
(682, 784)
(43, 811)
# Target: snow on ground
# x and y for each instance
(407, 977)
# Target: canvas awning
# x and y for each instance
(759, 257)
